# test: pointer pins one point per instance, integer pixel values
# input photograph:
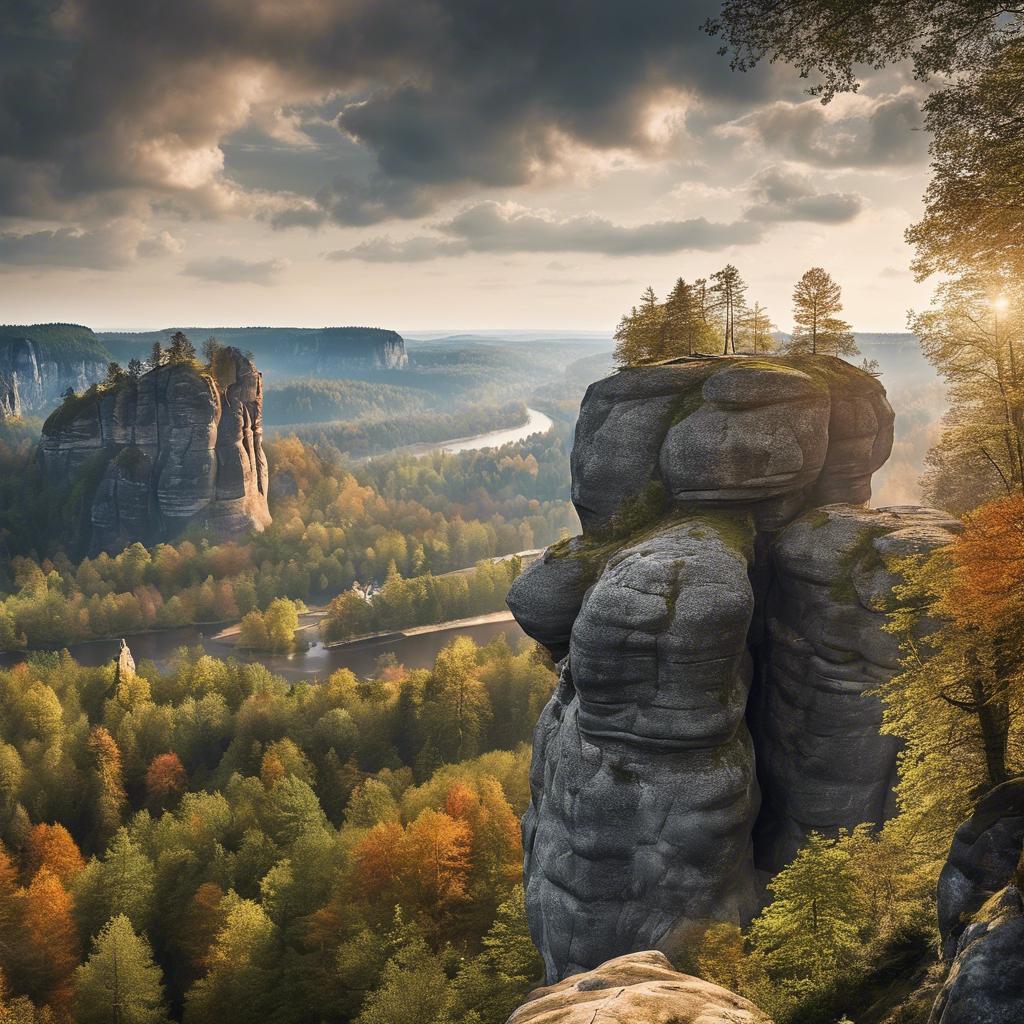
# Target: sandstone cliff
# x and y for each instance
(289, 351)
(173, 449)
(38, 363)
(720, 621)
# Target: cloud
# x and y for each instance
(781, 195)
(163, 244)
(862, 133)
(496, 227)
(108, 248)
(439, 96)
(384, 249)
(229, 270)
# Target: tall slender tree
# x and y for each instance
(818, 328)
(729, 290)
(686, 330)
(756, 330)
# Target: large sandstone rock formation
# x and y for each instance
(641, 987)
(981, 914)
(721, 624)
(169, 450)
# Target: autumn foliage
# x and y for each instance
(166, 780)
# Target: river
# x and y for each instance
(536, 423)
(417, 651)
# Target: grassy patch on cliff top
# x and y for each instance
(733, 527)
(71, 408)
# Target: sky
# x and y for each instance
(444, 164)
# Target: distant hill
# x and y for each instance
(61, 343)
(283, 351)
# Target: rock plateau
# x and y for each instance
(172, 449)
(720, 628)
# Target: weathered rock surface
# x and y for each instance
(982, 859)
(821, 760)
(125, 666)
(172, 449)
(549, 593)
(986, 980)
(728, 430)
(644, 792)
(728, 578)
(981, 914)
(10, 398)
(641, 988)
(32, 379)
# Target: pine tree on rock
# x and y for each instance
(818, 328)
(181, 350)
(729, 291)
(686, 329)
(756, 331)
(640, 336)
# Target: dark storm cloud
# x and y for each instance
(886, 134)
(784, 196)
(230, 270)
(491, 227)
(445, 95)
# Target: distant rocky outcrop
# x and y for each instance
(641, 988)
(720, 621)
(39, 362)
(981, 914)
(10, 397)
(172, 449)
(289, 351)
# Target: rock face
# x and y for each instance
(172, 449)
(644, 785)
(641, 988)
(125, 666)
(821, 760)
(33, 378)
(981, 914)
(720, 621)
(371, 347)
(10, 398)
(982, 859)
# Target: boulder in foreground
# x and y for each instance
(641, 988)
